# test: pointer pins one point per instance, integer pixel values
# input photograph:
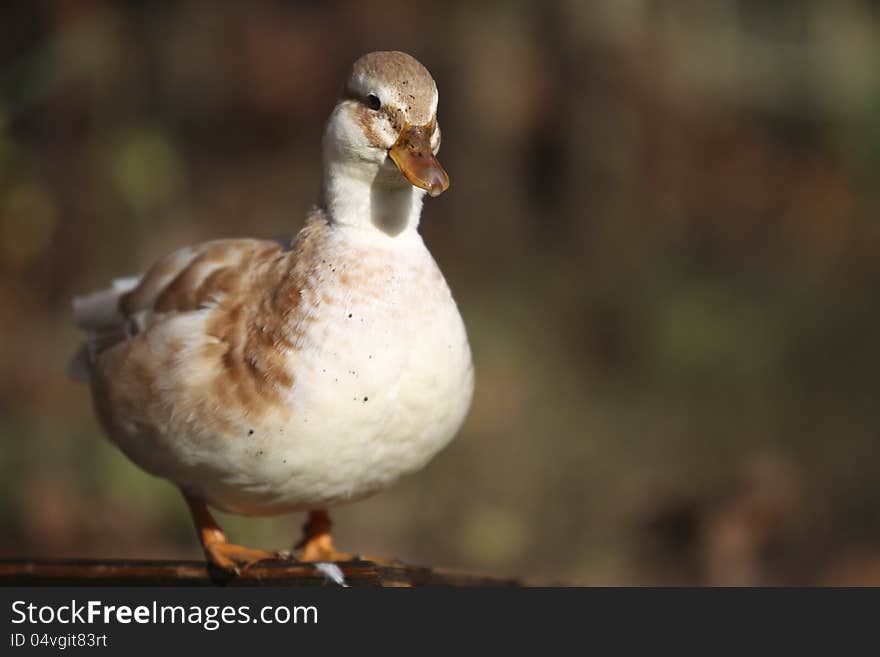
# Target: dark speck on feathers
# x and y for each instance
(250, 432)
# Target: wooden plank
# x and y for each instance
(84, 572)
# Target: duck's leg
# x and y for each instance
(316, 543)
(218, 551)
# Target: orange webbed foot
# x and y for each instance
(317, 544)
(322, 549)
(219, 552)
(235, 558)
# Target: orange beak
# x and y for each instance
(413, 156)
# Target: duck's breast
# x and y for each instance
(384, 378)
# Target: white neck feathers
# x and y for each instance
(357, 194)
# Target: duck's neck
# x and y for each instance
(359, 196)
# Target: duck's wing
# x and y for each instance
(191, 278)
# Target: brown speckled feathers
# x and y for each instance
(251, 291)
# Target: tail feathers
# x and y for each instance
(100, 310)
(98, 314)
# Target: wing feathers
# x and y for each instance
(187, 279)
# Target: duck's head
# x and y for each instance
(384, 127)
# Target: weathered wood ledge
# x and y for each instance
(88, 572)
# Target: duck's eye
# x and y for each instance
(373, 102)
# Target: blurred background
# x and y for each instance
(663, 233)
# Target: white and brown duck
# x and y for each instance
(263, 379)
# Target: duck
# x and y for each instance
(264, 378)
